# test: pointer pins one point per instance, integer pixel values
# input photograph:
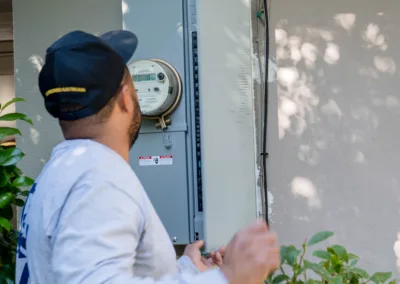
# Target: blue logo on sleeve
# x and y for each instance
(23, 234)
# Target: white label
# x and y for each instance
(155, 161)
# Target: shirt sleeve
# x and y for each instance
(95, 241)
(185, 265)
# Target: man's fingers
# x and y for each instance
(198, 244)
(221, 250)
(218, 259)
(207, 262)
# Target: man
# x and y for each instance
(87, 218)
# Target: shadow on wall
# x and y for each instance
(335, 124)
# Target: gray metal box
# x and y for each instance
(164, 33)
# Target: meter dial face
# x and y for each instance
(155, 84)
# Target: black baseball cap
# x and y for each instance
(86, 70)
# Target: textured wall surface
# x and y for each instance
(334, 124)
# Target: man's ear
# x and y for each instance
(125, 100)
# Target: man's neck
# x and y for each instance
(106, 135)
(115, 144)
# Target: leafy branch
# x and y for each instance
(335, 266)
(12, 191)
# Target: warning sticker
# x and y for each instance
(155, 160)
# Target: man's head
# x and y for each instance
(87, 86)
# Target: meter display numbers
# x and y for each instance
(144, 77)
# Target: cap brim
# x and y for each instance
(123, 42)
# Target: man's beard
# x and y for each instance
(136, 122)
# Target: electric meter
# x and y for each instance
(158, 86)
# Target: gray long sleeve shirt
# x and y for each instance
(88, 219)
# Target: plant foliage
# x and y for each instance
(335, 265)
(12, 193)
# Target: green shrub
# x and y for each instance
(336, 265)
(12, 184)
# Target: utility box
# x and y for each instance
(166, 156)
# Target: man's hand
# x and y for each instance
(217, 257)
(251, 255)
(203, 264)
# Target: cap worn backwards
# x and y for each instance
(85, 70)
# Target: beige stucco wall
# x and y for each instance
(334, 124)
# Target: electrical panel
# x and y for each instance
(167, 155)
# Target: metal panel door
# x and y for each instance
(158, 25)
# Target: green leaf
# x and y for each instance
(280, 278)
(6, 199)
(354, 259)
(353, 262)
(341, 252)
(12, 101)
(320, 237)
(322, 254)
(269, 279)
(23, 181)
(7, 273)
(312, 281)
(24, 193)
(9, 170)
(3, 177)
(337, 280)
(17, 171)
(381, 277)
(7, 212)
(291, 255)
(15, 116)
(353, 256)
(300, 269)
(318, 269)
(19, 202)
(10, 156)
(360, 272)
(283, 250)
(5, 224)
(8, 131)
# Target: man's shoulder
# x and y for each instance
(75, 173)
(85, 158)
(85, 164)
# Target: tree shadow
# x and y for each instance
(334, 112)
